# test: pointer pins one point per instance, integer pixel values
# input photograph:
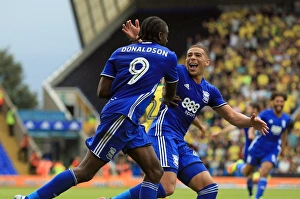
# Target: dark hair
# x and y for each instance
(277, 93)
(205, 49)
(151, 27)
(255, 105)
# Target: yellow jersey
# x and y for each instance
(153, 107)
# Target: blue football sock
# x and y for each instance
(56, 186)
(126, 195)
(240, 167)
(135, 192)
(208, 192)
(161, 192)
(148, 190)
(261, 186)
(250, 186)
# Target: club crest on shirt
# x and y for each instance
(205, 97)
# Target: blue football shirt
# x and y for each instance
(194, 97)
(137, 70)
(277, 125)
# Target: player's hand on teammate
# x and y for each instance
(173, 102)
(258, 124)
(131, 30)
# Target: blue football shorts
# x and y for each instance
(176, 156)
(116, 132)
(257, 155)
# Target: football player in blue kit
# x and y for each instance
(169, 128)
(263, 151)
(129, 79)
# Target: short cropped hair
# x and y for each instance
(205, 49)
(151, 27)
(277, 93)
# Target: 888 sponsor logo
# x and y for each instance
(191, 106)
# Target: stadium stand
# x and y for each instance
(11, 144)
(7, 168)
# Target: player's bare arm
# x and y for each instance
(241, 120)
(103, 90)
(198, 124)
(169, 94)
(251, 134)
(227, 129)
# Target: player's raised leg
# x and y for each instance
(145, 157)
(66, 179)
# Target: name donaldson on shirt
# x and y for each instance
(145, 49)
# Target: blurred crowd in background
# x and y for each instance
(253, 51)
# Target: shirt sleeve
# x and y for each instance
(172, 75)
(216, 99)
(110, 68)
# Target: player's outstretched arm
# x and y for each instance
(241, 120)
(225, 130)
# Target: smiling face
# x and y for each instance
(278, 99)
(278, 104)
(196, 60)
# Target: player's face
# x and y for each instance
(196, 61)
(163, 37)
(278, 104)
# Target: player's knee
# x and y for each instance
(264, 173)
(247, 171)
(83, 175)
(155, 174)
(169, 190)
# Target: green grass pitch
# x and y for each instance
(94, 193)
